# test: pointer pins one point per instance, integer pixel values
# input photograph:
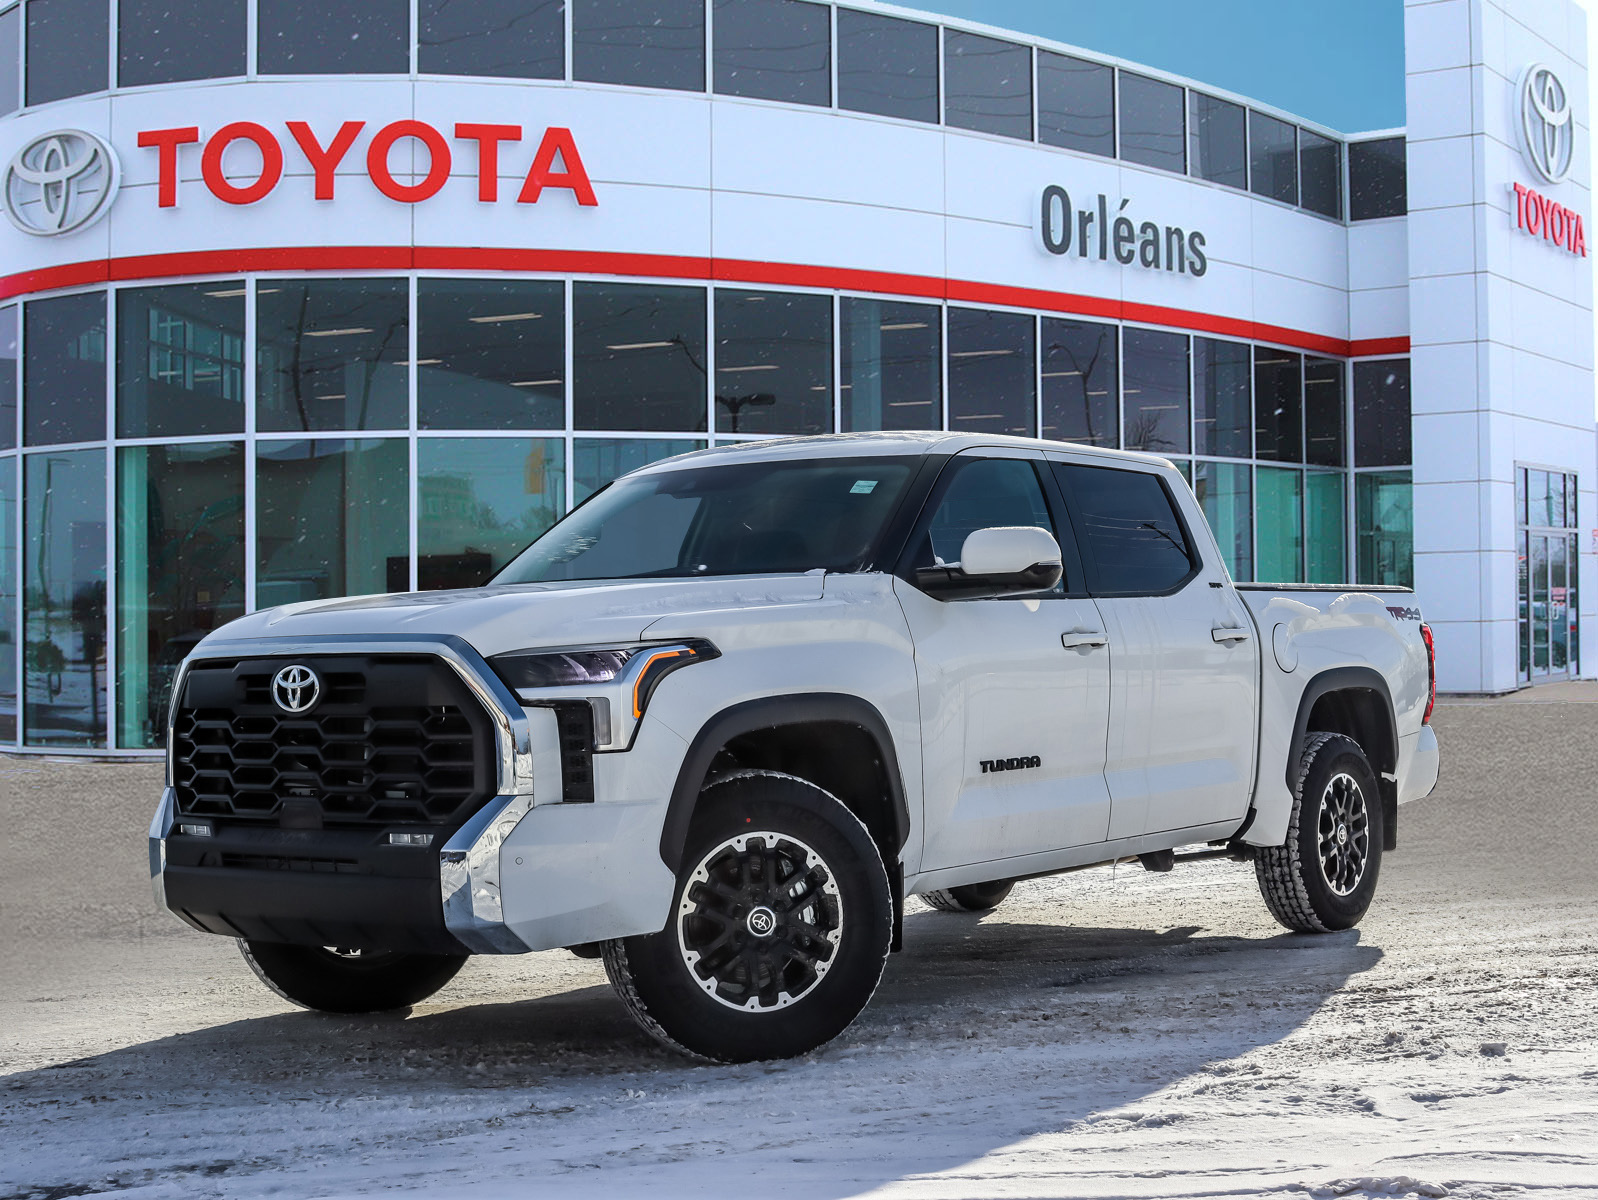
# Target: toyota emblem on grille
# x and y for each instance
(59, 182)
(295, 689)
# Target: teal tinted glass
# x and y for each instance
(480, 502)
(1384, 532)
(1324, 541)
(1281, 525)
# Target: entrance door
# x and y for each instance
(1548, 554)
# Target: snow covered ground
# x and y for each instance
(1103, 1034)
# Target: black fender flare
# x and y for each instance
(770, 712)
(1384, 758)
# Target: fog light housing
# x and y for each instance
(194, 830)
(410, 839)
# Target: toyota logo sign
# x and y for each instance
(295, 689)
(60, 182)
(1547, 133)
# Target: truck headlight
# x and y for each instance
(637, 669)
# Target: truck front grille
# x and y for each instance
(391, 739)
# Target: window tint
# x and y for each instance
(481, 500)
(10, 59)
(1320, 174)
(490, 354)
(180, 360)
(891, 360)
(983, 493)
(1278, 405)
(645, 43)
(1129, 530)
(639, 357)
(1325, 515)
(1324, 406)
(1152, 129)
(774, 50)
(1225, 493)
(1223, 418)
(1154, 392)
(68, 48)
(988, 84)
(991, 381)
(773, 362)
(1076, 104)
(165, 41)
(1381, 413)
(63, 381)
(1217, 140)
(1384, 516)
(8, 384)
(1280, 513)
(312, 37)
(887, 66)
(1377, 181)
(1080, 382)
(520, 39)
(1273, 158)
(8, 598)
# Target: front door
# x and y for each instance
(1013, 722)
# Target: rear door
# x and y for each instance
(1013, 722)
(1183, 658)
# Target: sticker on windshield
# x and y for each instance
(862, 487)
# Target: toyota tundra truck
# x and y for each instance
(716, 725)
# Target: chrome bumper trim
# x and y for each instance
(469, 877)
(160, 827)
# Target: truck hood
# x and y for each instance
(520, 616)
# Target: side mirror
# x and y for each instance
(999, 561)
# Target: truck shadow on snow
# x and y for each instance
(985, 1031)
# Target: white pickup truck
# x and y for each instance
(717, 724)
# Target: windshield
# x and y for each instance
(737, 518)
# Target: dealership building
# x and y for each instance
(306, 300)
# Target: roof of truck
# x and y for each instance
(852, 445)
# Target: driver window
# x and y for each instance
(983, 492)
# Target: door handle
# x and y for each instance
(1229, 633)
(1079, 638)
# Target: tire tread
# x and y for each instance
(1280, 869)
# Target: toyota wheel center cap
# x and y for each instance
(1342, 834)
(762, 922)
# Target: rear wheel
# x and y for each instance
(349, 981)
(971, 897)
(1324, 876)
(780, 926)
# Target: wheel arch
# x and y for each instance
(1355, 702)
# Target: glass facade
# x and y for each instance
(516, 39)
(1273, 158)
(644, 43)
(1153, 132)
(1548, 558)
(1217, 140)
(169, 41)
(890, 356)
(10, 59)
(773, 50)
(310, 37)
(987, 84)
(887, 66)
(1378, 179)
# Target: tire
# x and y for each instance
(328, 980)
(1323, 877)
(971, 897)
(745, 970)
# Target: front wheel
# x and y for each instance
(779, 931)
(1324, 876)
(349, 981)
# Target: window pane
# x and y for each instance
(64, 585)
(8, 600)
(480, 502)
(1079, 382)
(1154, 392)
(330, 354)
(597, 461)
(63, 391)
(1537, 499)
(520, 39)
(180, 570)
(1280, 512)
(1324, 510)
(1128, 527)
(1223, 491)
(1377, 179)
(1385, 528)
(987, 84)
(1558, 605)
(311, 37)
(1523, 580)
(981, 494)
(8, 377)
(1320, 174)
(640, 357)
(991, 372)
(1278, 406)
(1223, 415)
(1324, 406)
(331, 519)
(887, 66)
(1217, 140)
(1273, 158)
(892, 364)
(646, 43)
(773, 362)
(180, 360)
(1539, 604)
(10, 64)
(1152, 130)
(774, 50)
(68, 48)
(490, 354)
(1381, 413)
(1076, 104)
(166, 41)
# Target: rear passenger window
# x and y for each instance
(983, 492)
(1129, 530)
